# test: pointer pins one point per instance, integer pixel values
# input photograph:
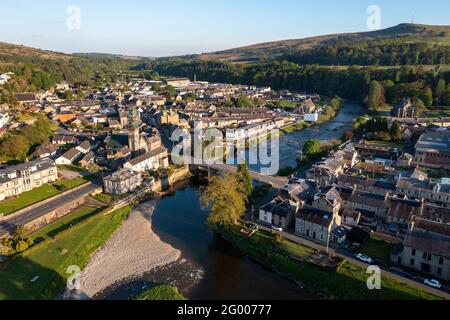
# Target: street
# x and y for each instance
(10, 222)
(350, 256)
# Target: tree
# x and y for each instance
(376, 97)
(439, 95)
(245, 181)
(68, 95)
(348, 135)
(419, 107)
(244, 101)
(170, 92)
(14, 148)
(223, 199)
(427, 96)
(446, 100)
(311, 148)
(156, 87)
(396, 131)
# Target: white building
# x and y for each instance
(150, 161)
(122, 182)
(4, 119)
(15, 180)
(69, 157)
(312, 117)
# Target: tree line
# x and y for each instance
(390, 52)
(381, 85)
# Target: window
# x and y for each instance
(413, 252)
(424, 256)
(439, 271)
(441, 261)
(412, 262)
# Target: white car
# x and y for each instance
(277, 228)
(364, 258)
(433, 283)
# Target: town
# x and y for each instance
(225, 151)
(115, 143)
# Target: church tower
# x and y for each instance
(134, 137)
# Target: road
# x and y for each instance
(343, 254)
(10, 222)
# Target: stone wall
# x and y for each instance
(38, 204)
(54, 215)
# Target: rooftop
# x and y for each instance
(434, 142)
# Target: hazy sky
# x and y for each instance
(174, 27)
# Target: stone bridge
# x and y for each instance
(276, 182)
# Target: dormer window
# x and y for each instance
(12, 175)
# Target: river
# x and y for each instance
(291, 144)
(211, 268)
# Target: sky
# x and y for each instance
(177, 27)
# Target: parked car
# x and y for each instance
(364, 258)
(383, 265)
(277, 228)
(433, 283)
(251, 226)
(404, 274)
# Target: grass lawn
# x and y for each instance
(36, 195)
(105, 198)
(69, 184)
(346, 283)
(377, 249)
(66, 222)
(386, 144)
(47, 262)
(161, 293)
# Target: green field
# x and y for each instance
(161, 293)
(47, 262)
(377, 249)
(38, 194)
(52, 230)
(347, 282)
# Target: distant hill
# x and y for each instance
(104, 55)
(256, 52)
(8, 50)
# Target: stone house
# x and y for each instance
(426, 249)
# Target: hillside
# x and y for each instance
(406, 32)
(8, 50)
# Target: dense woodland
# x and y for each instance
(391, 52)
(384, 85)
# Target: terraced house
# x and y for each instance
(15, 180)
(426, 248)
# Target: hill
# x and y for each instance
(12, 51)
(276, 49)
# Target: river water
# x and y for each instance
(290, 145)
(211, 268)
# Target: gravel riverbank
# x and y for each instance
(131, 252)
